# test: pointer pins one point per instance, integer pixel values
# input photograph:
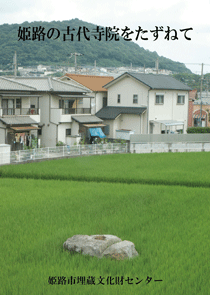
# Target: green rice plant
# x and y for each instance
(189, 169)
(169, 226)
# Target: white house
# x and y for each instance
(19, 113)
(95, 85)
(65, 107)
(53, 108)
(145, 104)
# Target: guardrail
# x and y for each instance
(61, 151)
(160, 147)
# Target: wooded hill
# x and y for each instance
(194, 81)
(55, 51)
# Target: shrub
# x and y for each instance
(60, 143)
(82, 142)
(198, 130)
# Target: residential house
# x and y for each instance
(19, 113)
(95, 85)
(98, 95)
(61, 104)
(201, 109)
(65, 108)
(57, 111)
(145, 104)
(192, 98)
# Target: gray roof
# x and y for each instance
(85, 119)
(49, 84)
(110, 113)
(18, 120)
(8, 84)
(155, 81)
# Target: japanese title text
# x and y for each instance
(100, 33)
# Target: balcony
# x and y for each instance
(71, 111)
(64, 115)
(33, 113)
(19, 112)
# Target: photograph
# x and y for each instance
(105, 147)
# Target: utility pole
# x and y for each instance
(201, 88)
(157, 65)
(75, 59)
(207, 87)
(95, 67)
(15, 64)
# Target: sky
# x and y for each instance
(149, 14)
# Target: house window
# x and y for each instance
(106, 129)
(135, 98)
(68, 103)
(118, 98)
(180, 99)
(61, 104)
(159, 99)
(104, 102)
(8, 106)
(68, 132)
(196, 122)
(18, 103)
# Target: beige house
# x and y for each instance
(145, 104)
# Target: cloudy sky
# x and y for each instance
(176, 14)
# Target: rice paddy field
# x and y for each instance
(160, 202)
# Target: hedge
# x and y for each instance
(198, 130)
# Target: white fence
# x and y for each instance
(64, 151)
(4, 149)
(161, 147)
(99, 149)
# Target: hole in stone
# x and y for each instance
(100, 238)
